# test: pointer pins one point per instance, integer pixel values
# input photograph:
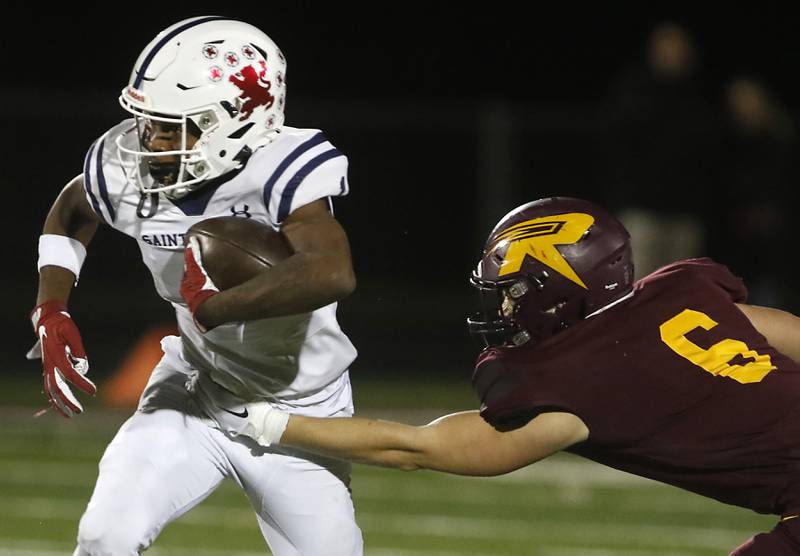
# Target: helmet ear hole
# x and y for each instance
(556, 307)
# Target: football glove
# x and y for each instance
(258, 420)
(196, 285)
(63, 357)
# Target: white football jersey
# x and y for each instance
(287, 358)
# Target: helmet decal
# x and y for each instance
(134, 94)
(232, 59)
(539, 237)
(210, 51)
(255, 89)
(215, 73)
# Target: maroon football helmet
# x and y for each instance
(547, 265)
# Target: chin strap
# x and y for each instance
(152, 207)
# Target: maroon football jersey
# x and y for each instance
(674, 384)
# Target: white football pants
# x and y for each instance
(167, 458)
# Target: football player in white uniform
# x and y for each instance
(207, 139)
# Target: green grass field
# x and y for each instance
(561, 507)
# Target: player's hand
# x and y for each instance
(258, 420)
(196, 285)
(63, 357)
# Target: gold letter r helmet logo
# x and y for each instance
(539, 238)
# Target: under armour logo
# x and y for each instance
(244, 212)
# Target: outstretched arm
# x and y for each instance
(461, 443)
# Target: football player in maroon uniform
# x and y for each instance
(672, 378)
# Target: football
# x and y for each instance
(235, 249)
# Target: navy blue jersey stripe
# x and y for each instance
(294, 155)
(297, 179)
(140, 72)
(87, 182)
(101, 182)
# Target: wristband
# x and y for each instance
(63, 251)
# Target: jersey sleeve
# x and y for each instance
(314, 170)
(507, 400)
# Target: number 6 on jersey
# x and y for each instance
(716, 359)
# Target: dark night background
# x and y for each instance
(450, 117)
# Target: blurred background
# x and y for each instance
(683, 123)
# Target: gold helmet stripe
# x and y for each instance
(539, 237)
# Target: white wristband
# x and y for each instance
(62, 251)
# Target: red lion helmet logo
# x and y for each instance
(255, 89)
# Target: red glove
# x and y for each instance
(196, 285)
(63, 357)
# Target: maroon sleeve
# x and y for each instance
(501, 391)
(507, 399)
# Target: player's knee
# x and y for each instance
(101, 534)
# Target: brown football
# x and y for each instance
(235, 249)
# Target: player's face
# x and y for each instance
(508, 305)
(162, 137)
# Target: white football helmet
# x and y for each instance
(216, 78)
